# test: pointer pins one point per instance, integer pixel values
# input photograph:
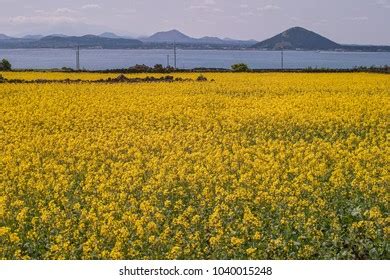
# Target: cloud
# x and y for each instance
(362, 18)
(204, 4)
(44, 19)
(295, 18)
(384, 3)
(198, 7)
(205, 21)
(247, 14)
(91, 6)
(269, 8)
(64, 11)
(124, 11)
(239, 19)
(60, 15)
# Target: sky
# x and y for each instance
(344, 21)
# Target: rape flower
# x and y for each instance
(268, 166)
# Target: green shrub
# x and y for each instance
(240, 67)
(5, 65)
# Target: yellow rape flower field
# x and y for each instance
(249, 166)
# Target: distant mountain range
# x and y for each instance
(296, 38)
(87, 41)
(180, 38)
(4, 37)
(33, 37)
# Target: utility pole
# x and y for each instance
(78, 58)
(167, 60)
(282, 58)
(175, 54)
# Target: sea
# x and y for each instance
(99, 59)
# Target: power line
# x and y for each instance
(175, 54)
(78, 58)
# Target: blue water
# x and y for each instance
(111, 59)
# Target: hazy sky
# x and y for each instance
(345, 21)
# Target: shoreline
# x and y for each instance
(201, 49)
(380, 70)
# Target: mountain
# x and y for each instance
(298, 38)
(211, 40)
(242, 42)
(110, 35)
(59, 35)
(169, 37)
(226, 41)
(87, 41)
(33, 37)
(4, 37)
